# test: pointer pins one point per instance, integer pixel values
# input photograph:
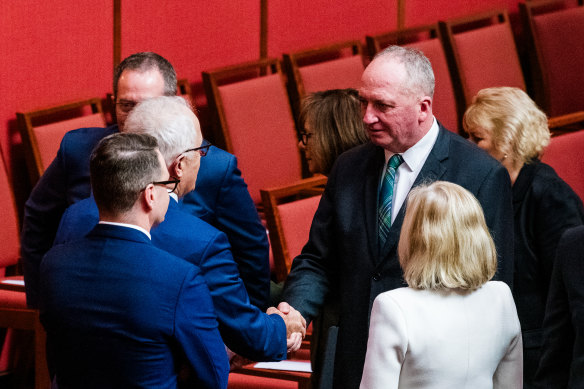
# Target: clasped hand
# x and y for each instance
(295, 325)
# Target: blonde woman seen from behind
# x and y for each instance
(451, 327)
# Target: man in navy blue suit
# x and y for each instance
(348, 255)
(223, 200)
(118, 311)
(245, 329)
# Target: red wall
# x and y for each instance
(62, 50)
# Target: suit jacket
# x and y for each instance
(562, 359)
(119, 312)
(244, 328)
(342, 257)
(544, 207)
(221, 198)
(421, 339)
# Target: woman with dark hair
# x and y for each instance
(332, 124)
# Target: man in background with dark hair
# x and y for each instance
(117, 310)
(223, 200)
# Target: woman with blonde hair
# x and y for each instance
(332, 124)
(507, 124)
(451, 327)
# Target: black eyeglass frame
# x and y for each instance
(203, 149)
(174, 181)
(304, 136)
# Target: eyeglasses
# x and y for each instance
(304, 137)
(203, 149)
(126, 105)
(173, 184)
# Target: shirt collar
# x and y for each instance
(416, 155)
(128, 226)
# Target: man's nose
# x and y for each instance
(369, 116)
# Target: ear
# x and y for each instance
(148, 198)
(177, 168)
(425, 108)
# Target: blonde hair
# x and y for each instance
(445, 242)
(517, 126)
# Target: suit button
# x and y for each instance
(376, 277)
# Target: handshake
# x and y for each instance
(295, 325)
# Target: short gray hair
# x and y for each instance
(418, 68)
(168, 119)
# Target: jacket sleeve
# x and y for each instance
(559, 336)
(496, 199)
(237, 216)
(386, 347)
(245, 329)
(195, 329)
(509, 372)
(42, 213)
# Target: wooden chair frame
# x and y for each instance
(527, 11)
(29, 140)
(28, 319)
(293, 61)
(566, 123)
(271, 198)
(212, 79)
(447, 30)
(376, 43)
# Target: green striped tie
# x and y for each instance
(386, 197)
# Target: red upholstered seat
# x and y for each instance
(256, 124)
(296, 218)
(444, 103)
(244, 381)
(48, 137)
(43, 129)
(13, 311)
(334, 66)
(566, 155)
(558, 60)
(289, 211)
(482, 53)
(335, 74)
(427, 40)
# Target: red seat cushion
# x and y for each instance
(243, 381)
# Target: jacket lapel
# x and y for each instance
(371, 195)
(433, 169)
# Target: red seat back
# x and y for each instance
(560, 46)
(257, 127)
(566, 155)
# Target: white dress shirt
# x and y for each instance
(129, 226)
(414, 159)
